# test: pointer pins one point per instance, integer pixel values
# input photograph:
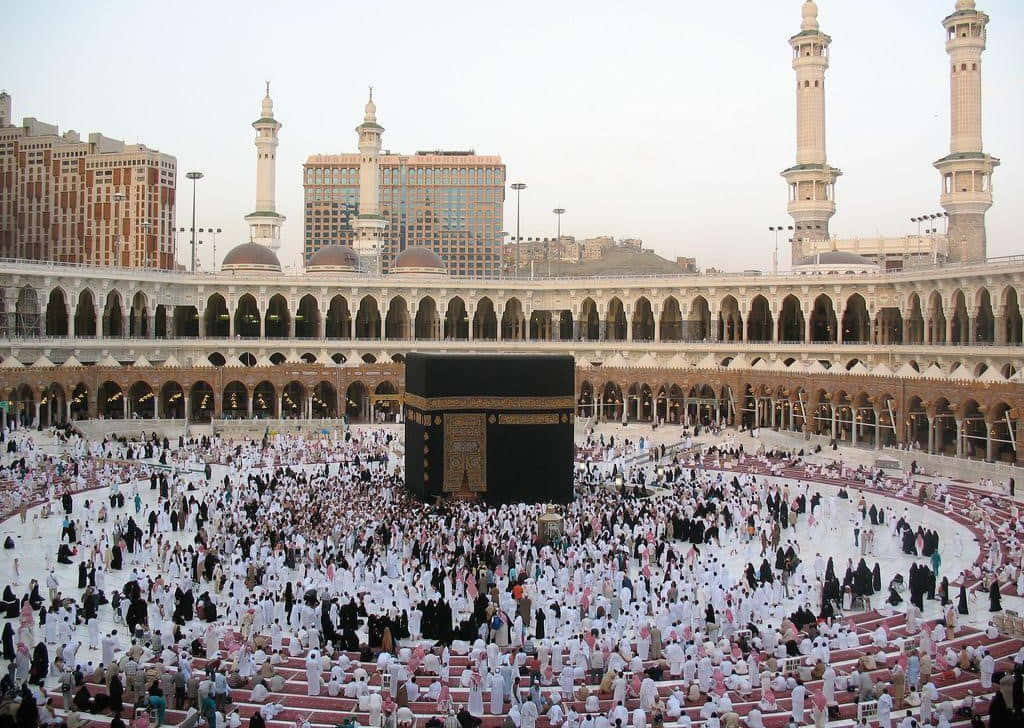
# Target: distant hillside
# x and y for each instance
(616, 261)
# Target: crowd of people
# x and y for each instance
(189, 569)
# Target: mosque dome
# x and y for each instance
(251, 257)
(835, 261)
(418, 259)
(333, 259)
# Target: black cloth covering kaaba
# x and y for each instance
(497, 428)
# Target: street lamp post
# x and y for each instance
(194, 176)
(775, 257)
(559, 211)
(213, 233)
(518, 187)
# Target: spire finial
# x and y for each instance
(268, 88)
(371, 92)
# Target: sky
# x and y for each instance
(667, 121)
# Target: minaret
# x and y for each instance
(264, 221)
(811, 180)
(369, 223)
(966, 171)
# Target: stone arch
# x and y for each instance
(339, 319)
(22, 405)
(80, 402)
(611, 405)
(141, 401)
(56, 323)
(791, 321)
(185, 322)
(264, 400)
(670, 323)
(914, 321)
(1001, 433)
(85, 314)
(26, 313)
(428, 321)
(369, 358)
(293, 401)
(589, 321)
(235, 400)
(936, 320)
(960, 325)
(513, 321)
(368, 321)
(324, 401)
(485, 321)
(643, 320)
(277, 358)
(675, 401)
(386, 410)
(357, 402)
(564, 323)
(277, 322)
(823, 320)
(760, 320)
(698, 322)
(984, 320)
(216, 317)
(640, 402)
(217, 359)
(172, 401)
(52, 405)
(307, 318)
(247, 358)
(138, 316)
(456, 320)
(396, 324)
(110, 401)
(308, 358)
(113, 316)
(730, 321)
(856, 321)
(201, 402)
(248, 321)
(586, 405)
(615, 320)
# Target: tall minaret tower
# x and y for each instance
(966, 171)
(369, 223)
(264, 221)
(811, 180)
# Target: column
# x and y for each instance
(249, 403)
(309, 406)
(291, 324)
(36, 421)
(629, 326)
(124, 404)
(959, 438)
(1019, 441)
(97, 316)
(599, 411)
(807, 328)
(280, 407)
(654, 409)
(202, 322)
(67, 410)
(972, 325)
(469, 329)
(151, 326)
(906, 329)
(853, 427)
(879, 432)
(188, 405)
(999, 321)
(835, 422)
(931, 433)
(321, 326)
(657, 327)
(602, 330)
(989, 443)
(949, 328)
(575, 330)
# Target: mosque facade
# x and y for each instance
(839, 345)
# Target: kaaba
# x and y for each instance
(492, 428)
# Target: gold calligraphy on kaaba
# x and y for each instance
(434, 404)
(465, 453)
(550, 418)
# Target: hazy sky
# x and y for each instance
(668, 121)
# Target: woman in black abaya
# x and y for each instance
(961, 600)
(994, 597)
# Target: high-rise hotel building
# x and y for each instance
(449, 201)
(96, 202)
